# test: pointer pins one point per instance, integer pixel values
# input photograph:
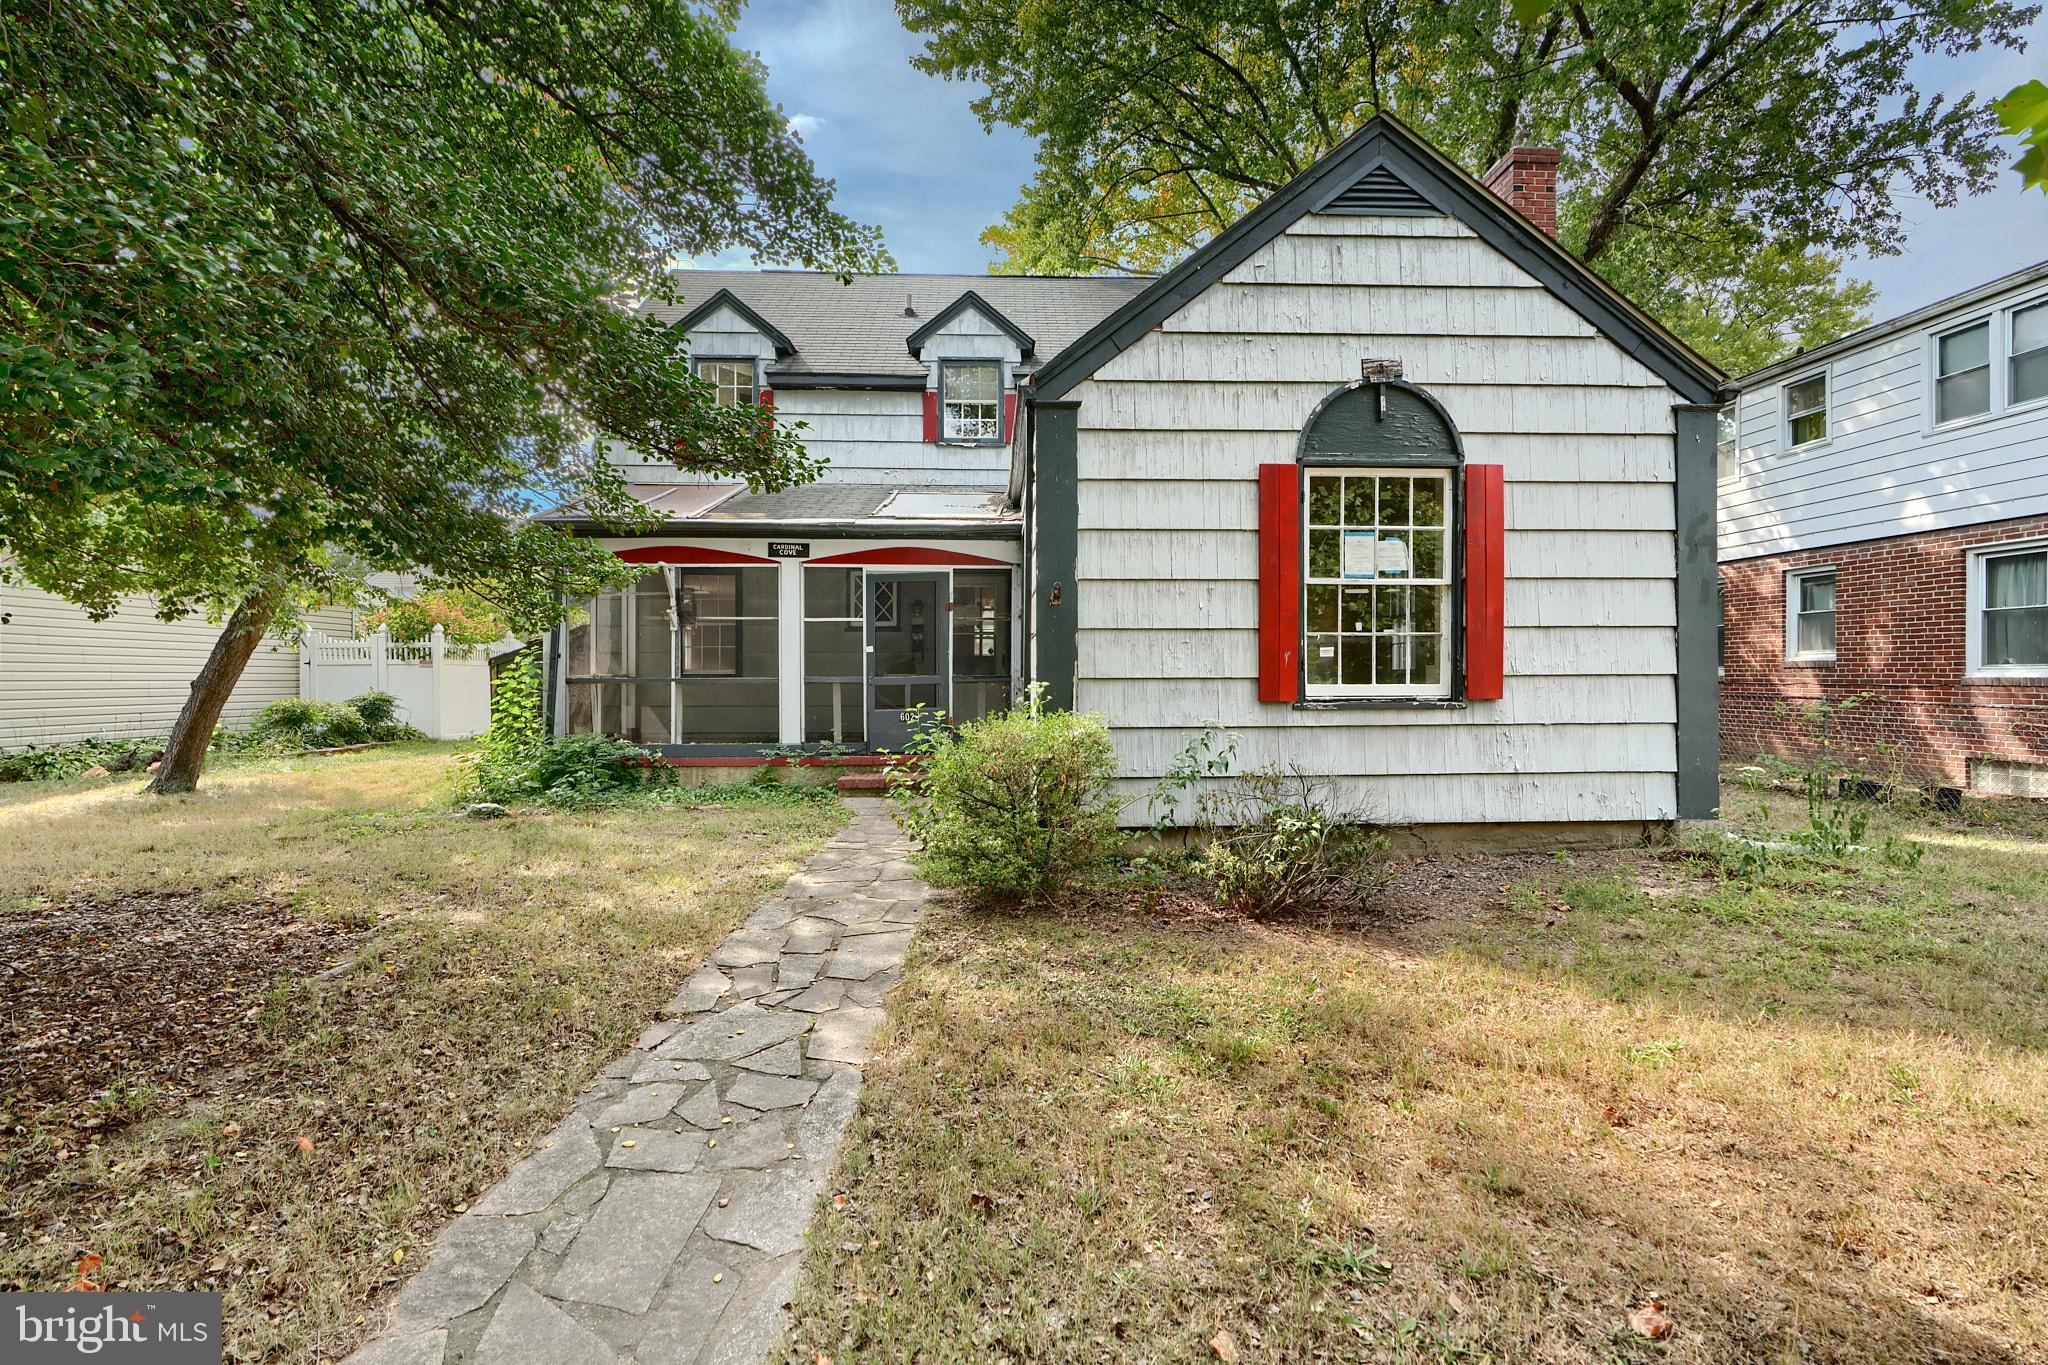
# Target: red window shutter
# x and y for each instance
(767, 398)
(1485, 581)
(1009, 417)
(1279, 582)
(931, 416)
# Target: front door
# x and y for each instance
(908, 640)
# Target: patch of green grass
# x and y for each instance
(1788, 1109)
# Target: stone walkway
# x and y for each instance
(663, 1223)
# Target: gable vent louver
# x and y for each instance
(1381, 193)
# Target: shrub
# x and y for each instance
(514, 761)
(378, 709)
(46, 762)
(1015, 808)
(1279, 842)
(301, 724)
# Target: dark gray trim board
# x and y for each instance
(1384, 143)
(1699, 684)
(799, 379)
(1056, 522)
(725, 298)
(916, 340)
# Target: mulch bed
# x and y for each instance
(152, 991)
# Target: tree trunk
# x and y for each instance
(192, 736)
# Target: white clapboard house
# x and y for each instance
(1381, 479)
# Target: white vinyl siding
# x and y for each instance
(1896, 462)
(1172, 432)
(65, 677)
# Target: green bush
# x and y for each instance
(378, 709)
(47, 762)
(1279, 842)
(514, 761)
(1015, 808)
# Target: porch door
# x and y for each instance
(909, 637)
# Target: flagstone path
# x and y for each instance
(663, 1222)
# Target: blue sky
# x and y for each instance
(909, 154)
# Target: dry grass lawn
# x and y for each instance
(498, 965)
(1810, 1116)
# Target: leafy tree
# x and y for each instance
(1696, 133)
(465, 616)
(2024, 113)
(293, 286)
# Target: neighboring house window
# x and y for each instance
(1806, 411)
(734, 378)
(971, 400)
(1378, 610)
(2010, 591)
(2029, 354)
(1727, 453)
(1810, 614)
(1962, 365)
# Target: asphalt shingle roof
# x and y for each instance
(860, 327)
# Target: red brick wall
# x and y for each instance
(1900, 605)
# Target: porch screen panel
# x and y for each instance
(835, 641)
(981, 644)
(620, 662)
(728, 655)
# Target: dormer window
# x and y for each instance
(735, 378)
(971, 401)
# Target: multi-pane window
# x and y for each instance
(2014, 625)
(1727, 449)
(1806, 410)
(1378, 609)
(734, 378)
(1962, 380)
(1810, 615)
(970, 400)
(2029, 354)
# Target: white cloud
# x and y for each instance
(804, 125)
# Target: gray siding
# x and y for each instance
(65, 677)
(1172, 432)
(1886, 468)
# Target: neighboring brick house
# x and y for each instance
(1884, 534)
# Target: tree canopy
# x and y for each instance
(290, 282)
(1721, 156)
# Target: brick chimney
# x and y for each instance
(1527, 178)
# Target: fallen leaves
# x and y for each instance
(1650, 1320)
(305, 1145)
(1223, 1345)
(82, 1280)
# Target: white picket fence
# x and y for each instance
(445, 692)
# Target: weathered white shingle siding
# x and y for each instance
(1885, 469)
(64, 677)
(1172, 432)
(725, 334)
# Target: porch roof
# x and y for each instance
(873, 510)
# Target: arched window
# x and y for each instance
(1368, 595)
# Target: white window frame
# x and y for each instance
(1449, 620)
(1974, 603)
(2010, 315)
(954, 362)
(753, 364)
(1827, 409)
(1728, 439)
(1794, 578)
(1994, 361)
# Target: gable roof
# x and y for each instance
(971, 300)
(855, 329)
(1385, 167)
(725, 298)
(1966, 301)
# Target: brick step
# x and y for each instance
(878, 781)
